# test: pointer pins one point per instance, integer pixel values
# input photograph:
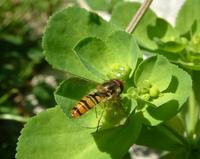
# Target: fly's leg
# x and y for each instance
(98, 124)
(95, 109)
(101, 115)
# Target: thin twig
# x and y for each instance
(180, 137)
(138, 16)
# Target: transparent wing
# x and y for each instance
(104, 115)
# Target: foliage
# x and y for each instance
(179, 44)
(154, 102)
(26, 80)
(21, 53)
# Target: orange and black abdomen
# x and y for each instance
(86, 103)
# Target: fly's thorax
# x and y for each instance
(113, 87)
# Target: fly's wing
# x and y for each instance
(114, 114)
(91, 118)
(104, 115)
(101, 88)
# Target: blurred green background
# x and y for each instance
(26, 80)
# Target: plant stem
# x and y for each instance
(138, 16)
(13, 117)
(193, 112)
(180, 137)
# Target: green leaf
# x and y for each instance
(181, 86)
(98, 4)
(123, 13)
(103, 5)
(167, 140)
(119, 50)
(171, 47)
(154, 116)
(190, 65)
(172, 99)
(157, 70)
(148, 30)
(162, 30)
(51, 135)
(64, 30)
(127, 156)
(187, 16)
(86, 50)
(190, 113)
(177, 124)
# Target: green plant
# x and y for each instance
(24, 74)
(153, 109)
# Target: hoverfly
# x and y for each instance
(104, 92)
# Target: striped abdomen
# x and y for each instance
(86, 103)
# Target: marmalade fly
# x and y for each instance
(104, 92)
